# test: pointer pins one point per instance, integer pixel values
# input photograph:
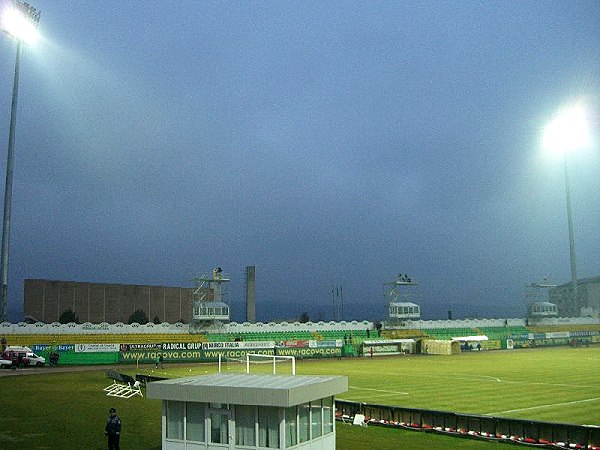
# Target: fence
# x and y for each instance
(541, 434)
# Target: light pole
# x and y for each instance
(19, 21)
(568, 131)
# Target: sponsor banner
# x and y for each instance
(237, 344)
(96, 348)
(529, 336)
(584, 333)
(523, 336)
(188, 355)
(127, 347)
(312, 352)
(518, 343)
(330, 343)
(197, 355)
(59, 348)
(311, 343)
(294, 344)
(181, 345)
(557, 334)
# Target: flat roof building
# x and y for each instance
(46, 300)
(247, 411)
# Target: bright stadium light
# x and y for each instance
(20, 20)
(567, 132)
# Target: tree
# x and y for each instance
(138, 316)
(68, 316)
(303, 318)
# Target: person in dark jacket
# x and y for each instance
(113, 430)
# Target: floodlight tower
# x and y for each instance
(20, 21)
(568, 132)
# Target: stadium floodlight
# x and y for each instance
(567, 132)
(20, 20)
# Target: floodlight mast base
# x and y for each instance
(8, 186)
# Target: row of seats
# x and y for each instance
(448, 333)
(291, 335)
(502, 332)
(357, 336)
(563, 328)
(336, 334)
(402, 334)
(58, 339)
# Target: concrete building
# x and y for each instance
(587, 302)
(250, 294)
(46, 300)
(246, 411)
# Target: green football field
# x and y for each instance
(67, 410)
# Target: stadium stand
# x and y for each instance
(449, 333)
(502, 332)
(402, 334)
(563, 328)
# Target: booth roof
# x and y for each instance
(248, 389)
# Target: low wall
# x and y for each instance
(540, 434)
(179, 328)
(182, 352)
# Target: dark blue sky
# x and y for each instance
(326, 143)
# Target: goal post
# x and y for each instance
(257, 360)
(256, 357)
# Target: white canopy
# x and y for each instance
(470, 338)
(387, 341)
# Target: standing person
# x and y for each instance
(113, 430)
(159, 361)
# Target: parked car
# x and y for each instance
(5, 364)
(22, 356)
(16, 358)
(34, 360)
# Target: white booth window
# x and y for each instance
(268, 427)
(219, 427)
(303, 422)
(317, 421)
(175, 420)
(327, 415)
(245, 421)
(291, 421)
(195, 422)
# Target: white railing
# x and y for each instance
(259, 327)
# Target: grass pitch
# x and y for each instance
(69, 410)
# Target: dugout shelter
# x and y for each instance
(386, 347)
(248, 411)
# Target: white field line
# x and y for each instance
(498, 380)
(551, 405)
(386, 391)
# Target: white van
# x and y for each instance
(30, 358)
